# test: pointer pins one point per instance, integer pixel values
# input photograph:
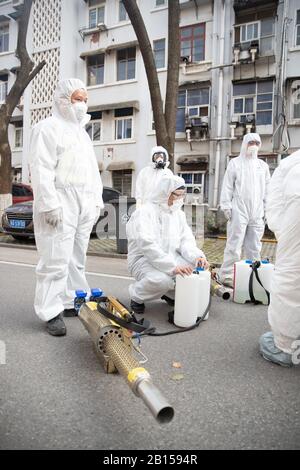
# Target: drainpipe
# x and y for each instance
(220, 104)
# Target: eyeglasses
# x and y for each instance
(253, 142)
(178, 196)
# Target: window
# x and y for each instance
(122, 12)
(159, 47)
(93, 128)
(126, 64)
(96, 13)
(295, 99)
(159, 3)
(3, 87)
(95, 69)
(19, 137)
(261, 32)
(193, 179)
(192, 102)
(123, 123)
(4, 37)
(254, 99)
(122, 181)
(298, 28)
(193, 42)
(249, 32)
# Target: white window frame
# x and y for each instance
(295, 88)
(297, 26)
(255, 111)
(199, 106)
(18, 131)
(193, 184)
(88, 71)
(154, 41)
(3, 91)
(245, 25)
(117, 65)
(123, 118)
(119, 11)
(92, 123)
(2, 26)
(97, 7)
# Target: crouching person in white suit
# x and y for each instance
(160, 245)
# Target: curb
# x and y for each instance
(89, 253)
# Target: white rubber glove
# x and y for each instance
(97, 214)
(227, 213)
(54, 217)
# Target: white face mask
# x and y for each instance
(177, 205)
(252, 151)
(80, 109)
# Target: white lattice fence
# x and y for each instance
(46, 41)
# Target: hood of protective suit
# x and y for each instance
(159, 149)
(248, 138)
(167, 185)
(62, 105)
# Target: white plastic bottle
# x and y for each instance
(192, 295)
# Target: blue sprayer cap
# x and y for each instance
(248, 261)
(199, 269)
(81, 294)
(265, 261)
(96, 292)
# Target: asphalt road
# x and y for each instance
(54, 394)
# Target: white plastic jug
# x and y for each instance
(242, 272)
(192, 295)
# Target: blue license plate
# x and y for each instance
(17, 223)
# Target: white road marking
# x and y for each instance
(89, 273)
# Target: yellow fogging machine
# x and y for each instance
(112, 327)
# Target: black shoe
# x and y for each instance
(169, 301)
(70, 312)
(137, 308)
(56, 326)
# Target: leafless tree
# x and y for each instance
(24, 75)
(164, 116)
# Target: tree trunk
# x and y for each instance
(173, 75)
(150, 67)
(25, 74)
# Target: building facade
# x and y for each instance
(238, 73)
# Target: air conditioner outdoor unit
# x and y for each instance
(244, 55)
(235, 119)
(101, 27)
(250, 118)
(186, 59)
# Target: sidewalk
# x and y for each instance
(213, 248)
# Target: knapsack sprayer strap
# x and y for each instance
(254, 271)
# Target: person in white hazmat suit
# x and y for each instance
(160, 245)
(282, 344)
(67, 201)
(150, 176)
(243, 199)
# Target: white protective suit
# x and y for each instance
(159, 239)
(149, 178)
(283, 216)
(244, 193)
(65, 176)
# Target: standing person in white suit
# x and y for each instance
(283, 217)
(243, 200)
(67, 201)
(150, 176)
(160, 244)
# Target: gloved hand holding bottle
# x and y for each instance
(227, 214)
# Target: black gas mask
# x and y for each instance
(159, 160)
